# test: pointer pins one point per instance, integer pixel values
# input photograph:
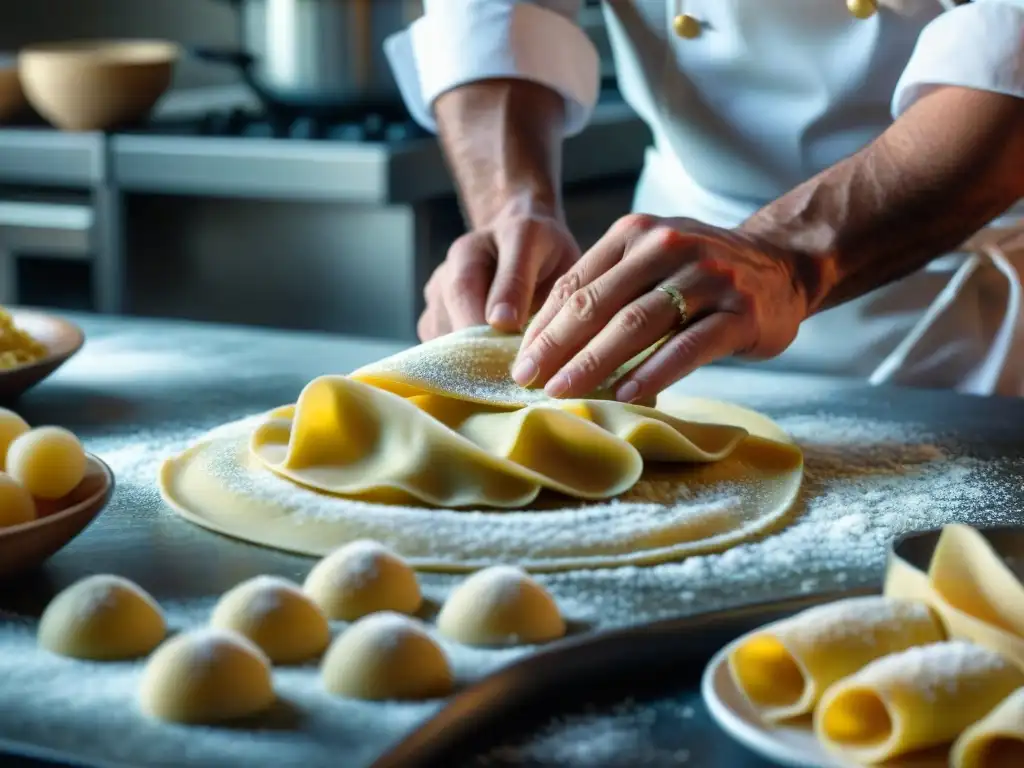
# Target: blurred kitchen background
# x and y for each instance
(221, 208)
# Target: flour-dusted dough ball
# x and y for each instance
(48, 461)
(16, 504)
(104, 618)
(11, 426)
(277, 616)
(363, 577)
(498, 606)
(206, 676)
(387, 656)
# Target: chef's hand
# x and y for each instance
(742, 296)
(499, 274)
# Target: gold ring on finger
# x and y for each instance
(678, 301)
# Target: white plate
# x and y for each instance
(788, 745)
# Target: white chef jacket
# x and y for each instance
(768, 94)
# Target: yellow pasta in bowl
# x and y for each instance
(32, 346)
(17, 346)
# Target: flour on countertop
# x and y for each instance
(618, 737)
(866, 481)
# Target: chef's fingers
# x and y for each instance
(650, 257)
(638, 325)
(521, 254)
(605, 254)
(619, 307)
(716, 336)
(469, 270)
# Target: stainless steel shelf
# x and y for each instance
(251, 168)
(319, 170)
(45, 157)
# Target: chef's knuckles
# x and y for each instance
(638, 319)
(566, 287)
(716, 271)
(584, 302)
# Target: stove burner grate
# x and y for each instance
(376, 126)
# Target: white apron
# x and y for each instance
(956, 324)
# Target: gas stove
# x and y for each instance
(375, 126)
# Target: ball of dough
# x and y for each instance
(48, 461)
(16, 504)
(277, 616)
(104, 618)
(363, 577)
(11, 426)
(206, 676)
(501, 605)
(387, 656)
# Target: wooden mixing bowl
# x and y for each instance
(29, 544)
(12, 98)
(96, 85)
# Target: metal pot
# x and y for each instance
(318, 56)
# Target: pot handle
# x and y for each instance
(239, 59)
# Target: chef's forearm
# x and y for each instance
(502, 141)
(948, 166)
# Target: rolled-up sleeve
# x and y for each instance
(456, 42)
(979, 45)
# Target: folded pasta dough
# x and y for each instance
(995, 741)
(443, 425)
(905, 582)
(349, 438)
(976, 594)
(784, 668)
(471, 365)
(918, 698)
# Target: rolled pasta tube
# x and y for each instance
(918, 698)
(783, 669)
(995, 741)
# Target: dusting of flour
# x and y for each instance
(866, 481)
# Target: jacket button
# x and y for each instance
(862, 9)
(686, 26)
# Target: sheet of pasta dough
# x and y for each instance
(970, 587)
(436, 452)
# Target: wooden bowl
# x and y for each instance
(12, 98)
(62, 339)
(29, 544)
(96, 85)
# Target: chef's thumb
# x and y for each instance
(515, 281)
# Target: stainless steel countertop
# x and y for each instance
(141, 390)
(286, 169)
